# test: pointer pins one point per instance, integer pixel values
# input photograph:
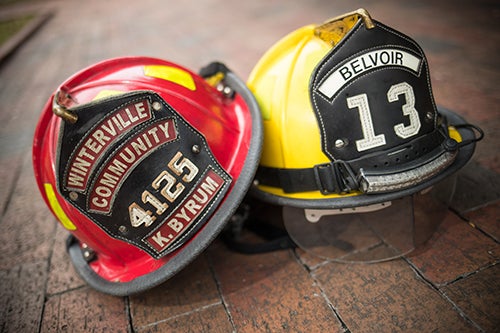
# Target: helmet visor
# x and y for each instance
(372, 233)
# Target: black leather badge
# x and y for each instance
(372, 93)
(139, 171)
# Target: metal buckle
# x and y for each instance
(325, 178)
(335, 177)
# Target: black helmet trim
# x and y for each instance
(465, 152)
(206, 235)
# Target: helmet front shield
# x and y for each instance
(371, 233)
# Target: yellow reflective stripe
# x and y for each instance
(215, 79)
(56, 207)
(454, 134)
(304, 195)
(107, 93)
(172, 74)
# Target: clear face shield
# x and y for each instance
(373, 233)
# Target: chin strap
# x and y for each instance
(472, 128)
(275, 238)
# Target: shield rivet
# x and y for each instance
(156, 106)
(340, 143)
(73, 196)
(196, 149)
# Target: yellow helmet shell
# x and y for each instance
(285, 103)
(285, 99)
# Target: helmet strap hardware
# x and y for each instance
(88, 253)
(336, 177)
(473, 128)
(450, 144)
(227, 91)
(59, 107)
(215, 73)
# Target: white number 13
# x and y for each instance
(370, 139)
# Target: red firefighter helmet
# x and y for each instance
(144, 161)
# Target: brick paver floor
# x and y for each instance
(449, 285)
